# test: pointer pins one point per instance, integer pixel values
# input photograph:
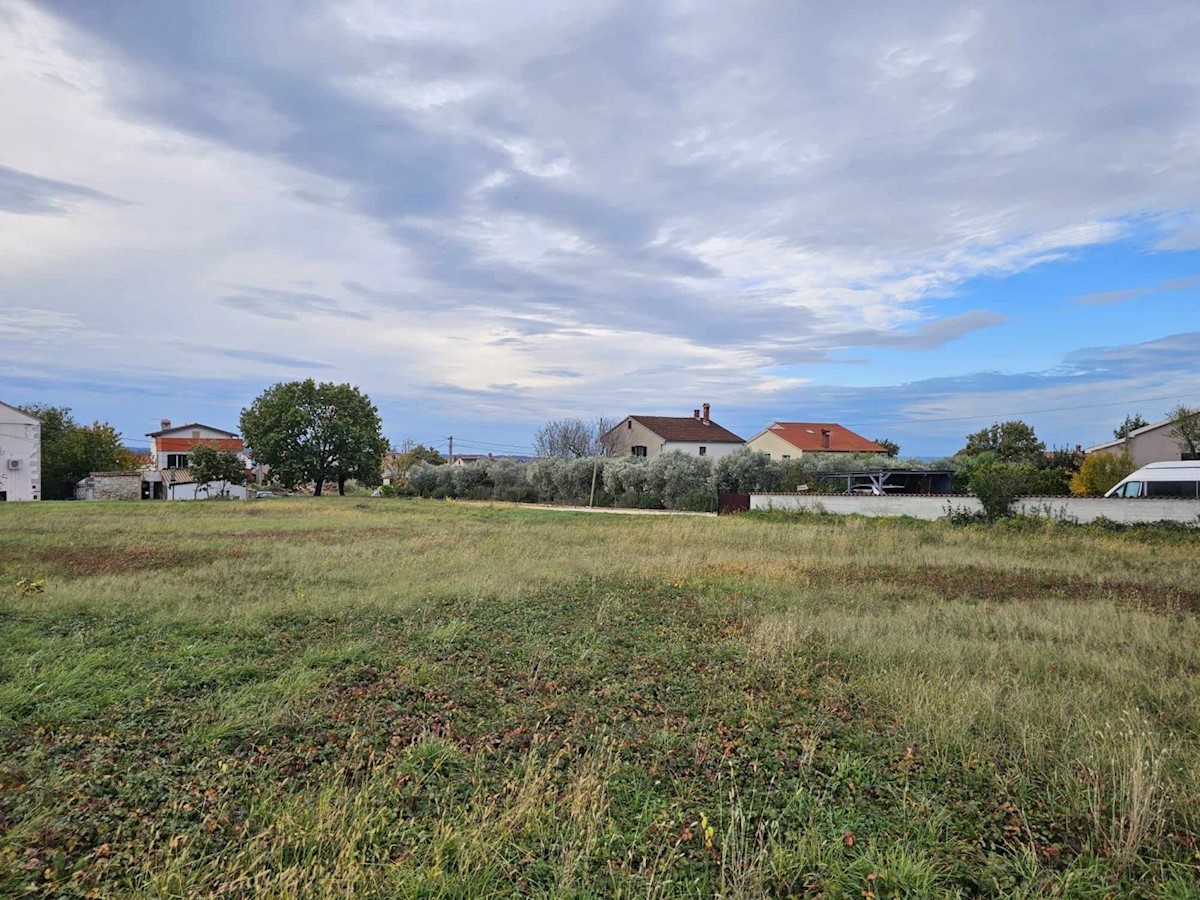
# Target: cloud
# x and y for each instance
(255, 356)
(657, 199)
(286, 305)
(1108, 298)
(31, 195)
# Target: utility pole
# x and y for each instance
(451, 451)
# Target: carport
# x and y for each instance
(881, 482)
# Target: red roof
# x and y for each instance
(688, 428)
(807, 436)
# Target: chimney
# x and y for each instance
(825, 432)
(166, 423)
(706, 408)
(695, 413)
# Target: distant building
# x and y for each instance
(696, 435)
(791, 440)
(1153, 443)
(20, 455)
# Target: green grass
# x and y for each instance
(369, 698)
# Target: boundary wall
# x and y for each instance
(934, 506)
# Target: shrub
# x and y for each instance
(997, 485)
(744, 471)
(674, 475)
(626, 475)
(1099, 473)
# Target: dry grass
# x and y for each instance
(424, 699)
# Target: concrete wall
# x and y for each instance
(1156, 445)
(1084, 509)
(110, 486)
(20, 440)
(189, 492)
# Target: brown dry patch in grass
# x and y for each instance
(81, 562)
(991, 585)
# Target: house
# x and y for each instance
(1153, 443)
(696, 435)
(20, 455)
(791, 440)
(465, 459)
(167, 477)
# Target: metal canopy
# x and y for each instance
(880, 482)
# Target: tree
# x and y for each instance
(397, 466)
(892, 448)
(1131, 423)
(71, 451)
(573, 438)
(1186, 431)
(1099, 473)
(1012, 442)
(315, 432)
(206, 463)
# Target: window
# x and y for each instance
(1129, 489)
(787, 456)
(195, 433)
(177, 460)
(637, 450)
(704, 451)
(1171, 488)
(629, 425)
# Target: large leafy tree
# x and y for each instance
(71, 451)
(208, 464)
(309, 432)
(1186, 430)
(1011, 442)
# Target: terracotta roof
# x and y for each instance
(807, 436)
(177, 476)
(189, 427)
(688, 428)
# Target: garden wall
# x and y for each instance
(1084, 509)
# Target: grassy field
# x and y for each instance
(353, 698)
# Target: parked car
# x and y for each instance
(1161, 479)
(263, 495)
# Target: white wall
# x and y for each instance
(188, 491)
(20, 440)
(714, 451)
(1085, 509)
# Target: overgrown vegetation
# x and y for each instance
(342, 698)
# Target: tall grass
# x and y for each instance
(419, 699)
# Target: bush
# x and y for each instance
(744, 471)
(675, 475)
(626, 475)
(997, 485)
(1099, 473)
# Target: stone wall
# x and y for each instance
(1083, 509)
(111, 486)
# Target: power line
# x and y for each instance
(995, 416)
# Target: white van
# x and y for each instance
(1161, 479)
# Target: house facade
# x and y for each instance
(1153, 443)
(695, 435)
(20, 455)
(791, 440)
(167, 477)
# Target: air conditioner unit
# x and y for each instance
(14, 464)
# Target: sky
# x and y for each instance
(910, 218)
